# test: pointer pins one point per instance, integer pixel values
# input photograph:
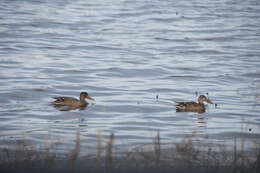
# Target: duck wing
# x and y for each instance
(60, 100)
(184, 105)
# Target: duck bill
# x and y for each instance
(210, 102)
(90, 98)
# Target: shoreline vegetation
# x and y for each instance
(183, 156)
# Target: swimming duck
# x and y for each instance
(72, 102)
(193, 106)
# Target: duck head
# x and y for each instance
(203, 98)
(84, 95)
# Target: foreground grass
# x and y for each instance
(183, 156)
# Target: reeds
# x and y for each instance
(75, 152)
(157, 147)
(99, 148)
(188, 153)
(49, 157)
(257, 162)
(109, 147)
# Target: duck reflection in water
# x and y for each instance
(193, 106)
(70, 103)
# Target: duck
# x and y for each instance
(193, 106)
(73, 102)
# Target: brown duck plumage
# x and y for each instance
(193, 106)
(72, 102)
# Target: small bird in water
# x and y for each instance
(71, 102)
(193, 106)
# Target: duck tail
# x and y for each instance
(58, 101)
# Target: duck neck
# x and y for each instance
(82, 98)
(201, 102)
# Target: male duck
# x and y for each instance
(72, 102)
(193, 106)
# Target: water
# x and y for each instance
(124, 54)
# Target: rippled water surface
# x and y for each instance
(125, 53)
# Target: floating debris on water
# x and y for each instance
(83, 124)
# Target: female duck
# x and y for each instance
(193, 106)
(72, 102)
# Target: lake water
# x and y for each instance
(125, 53)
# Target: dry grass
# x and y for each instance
(157, 147)
(49, 157)
(188, 154)
(99, 148)
(75, 152)
(109, 147)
